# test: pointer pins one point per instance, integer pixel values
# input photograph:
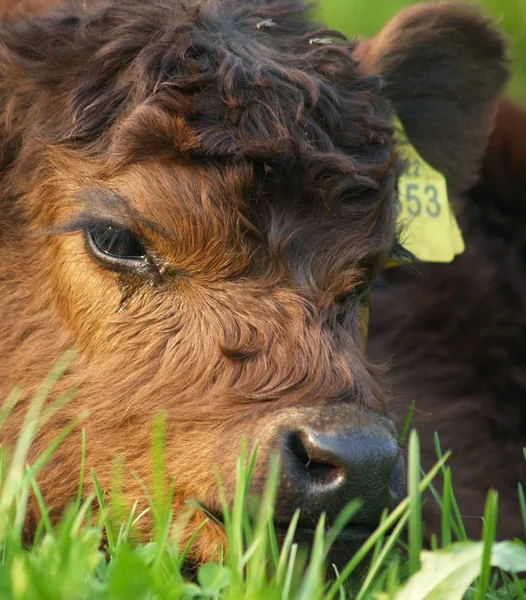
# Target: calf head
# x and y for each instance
(198, 198)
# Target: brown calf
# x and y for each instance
(455, 336)
(198, 197)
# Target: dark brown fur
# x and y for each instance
(456, 337)
(259, 169)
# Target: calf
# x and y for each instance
(198, 197)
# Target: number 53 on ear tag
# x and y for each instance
(429, 229)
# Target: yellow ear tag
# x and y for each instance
(429, 229)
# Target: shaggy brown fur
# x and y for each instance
(256, 165)
(456, 336)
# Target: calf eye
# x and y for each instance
(115, 246)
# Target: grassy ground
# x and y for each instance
(366, 17)
(66, 561)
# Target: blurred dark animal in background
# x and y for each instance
(455, 336)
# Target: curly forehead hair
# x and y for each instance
(225, 81)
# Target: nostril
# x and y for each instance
(318, 470)
(297, 447)
(325, 466)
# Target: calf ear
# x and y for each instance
(444, 66)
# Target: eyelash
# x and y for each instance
(144, 265)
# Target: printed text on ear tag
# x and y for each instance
(429, 229)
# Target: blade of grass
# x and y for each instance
(80, 516)
(446, 509)
(58, 404)
(342, 589)
(44, 511)
(285, 593)
(415, 503)
(48, 452)
(522, 503)
(235, 531)
(462, 533)
(80, 489)
(440, 502)
(286, 549)
(273, 543)
(17, 527)
(260, 543)
(312, 583)
(102, 516)
(8, 405)
(190, 543)
(489, 533)
(127, 526)
(380, 542)
(407, 424)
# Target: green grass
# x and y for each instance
(367, 17)
(92, 555)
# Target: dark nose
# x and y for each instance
(323, 472)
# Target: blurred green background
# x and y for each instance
(366, 17)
